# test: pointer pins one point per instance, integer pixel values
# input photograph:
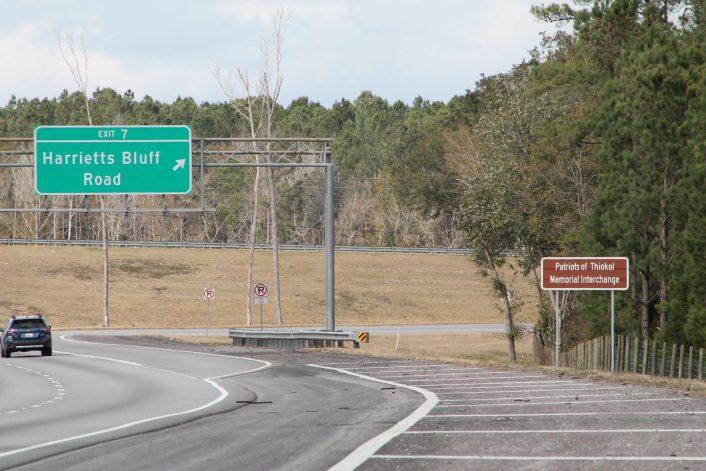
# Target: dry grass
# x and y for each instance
(465, 347)
(162, 287)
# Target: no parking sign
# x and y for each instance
(260, 290)
(208, 295)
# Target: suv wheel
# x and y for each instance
(46, 352)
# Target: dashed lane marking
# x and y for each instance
(59, 389)
(223, 393)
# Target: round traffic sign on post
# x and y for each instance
(260, 290)
(209, 293)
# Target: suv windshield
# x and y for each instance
(28, 324)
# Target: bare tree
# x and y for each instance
(77, 63)
(258, 107)
(271, 85)
(247, 108)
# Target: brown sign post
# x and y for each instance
(585, 274)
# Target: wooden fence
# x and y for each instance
(637, 356)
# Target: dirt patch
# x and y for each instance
(78, 271)
(146, 268)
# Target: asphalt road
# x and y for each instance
(91, 406)
(317, 411)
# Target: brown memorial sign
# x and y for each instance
(585, 273)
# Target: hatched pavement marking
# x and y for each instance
(470, 385)
(572, 403)
(578, 396)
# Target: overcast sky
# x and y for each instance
(398, 49)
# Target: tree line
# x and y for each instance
(595, 145)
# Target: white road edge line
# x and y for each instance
(470, 432)
(414, 367)
(413, 370)
(519, 384)
(368, 449)
(474, 378)
(266, 363)
(446, 393)
(577, 396)
(572, 414)
(571, 403)
(540, 458)
(500, 385)
(115, 360)
(358, 363)
(222, 395)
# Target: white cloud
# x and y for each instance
(262, 10)
(332, 48)
(37, 69)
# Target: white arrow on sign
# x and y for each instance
(180, 163)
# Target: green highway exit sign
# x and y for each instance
(112, 160)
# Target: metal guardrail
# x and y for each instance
(225, 245)
(292, 339)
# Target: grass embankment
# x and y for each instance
(163, 287)
(485, 348)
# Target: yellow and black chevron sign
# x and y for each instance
(363, 337)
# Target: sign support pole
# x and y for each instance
(261, 317)
(557, 340)
(208, 314)
(329, 221)
(612, 331)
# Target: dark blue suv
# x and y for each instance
(25, 333)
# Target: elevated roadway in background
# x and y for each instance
(373, 329)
